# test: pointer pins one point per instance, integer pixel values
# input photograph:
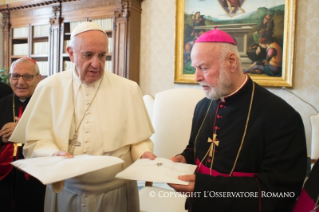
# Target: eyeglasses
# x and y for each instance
(26, 77)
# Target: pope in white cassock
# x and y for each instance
(88, 111)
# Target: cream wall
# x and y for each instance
(158, 43)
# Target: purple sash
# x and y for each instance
(205, 170)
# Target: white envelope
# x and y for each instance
(159, 170)
(54, 169)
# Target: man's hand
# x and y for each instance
(7, 130)
(148, 155)
(179, 158)
(63, 153)
(185, 188)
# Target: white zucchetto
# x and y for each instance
(86, 26)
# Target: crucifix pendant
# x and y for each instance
(76, 143)
(212, 141)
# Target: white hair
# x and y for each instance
(23, 60)
(225, 49)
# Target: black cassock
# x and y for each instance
(16, 193)
(5, 90)
(273, 153)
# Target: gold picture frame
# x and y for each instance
(288, 45)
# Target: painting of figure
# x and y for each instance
(258, 30)
(232, 6)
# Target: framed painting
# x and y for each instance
(264, 32)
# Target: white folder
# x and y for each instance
(54, 169)
(158, 170)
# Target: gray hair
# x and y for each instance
(23, 60)
(225, 49)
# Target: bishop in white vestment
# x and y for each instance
(88, 111)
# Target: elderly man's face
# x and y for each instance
(210, 74)
(89, 55)
(24, 88)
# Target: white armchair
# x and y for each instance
(171, 116)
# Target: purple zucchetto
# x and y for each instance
(216, 35)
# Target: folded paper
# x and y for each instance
(158, 170)
(53, 169)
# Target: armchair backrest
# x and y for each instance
(314, 120)
(172, 120)
(149, 104)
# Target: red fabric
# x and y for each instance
(20, 111)
(271, 52)
(304, 203)
(205, 170)
(234, 3)
(6, 157)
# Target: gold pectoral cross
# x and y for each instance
(212, 141)
(15, 148)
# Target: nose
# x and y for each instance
(21, 80)
(95, 62)
(198, 75)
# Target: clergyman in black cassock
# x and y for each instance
(19, 192)
(249, 144)
(273, 152)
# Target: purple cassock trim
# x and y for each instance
(304, 203)
(205, 170)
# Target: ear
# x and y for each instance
(232, 61)
(71, 53)
(39, 77)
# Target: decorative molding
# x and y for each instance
(85, 5)
(37, 3)
(123, 8)
(5, 20)
(56, 10)
(55, 21)
(33, 12)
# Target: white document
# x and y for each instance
(54, 169)
(159, 170)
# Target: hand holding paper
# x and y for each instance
(157, 170)
(185, 188)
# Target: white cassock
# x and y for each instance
(116, 124)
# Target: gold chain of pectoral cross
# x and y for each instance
(214, 142)
(15, 145)
(74, 141)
